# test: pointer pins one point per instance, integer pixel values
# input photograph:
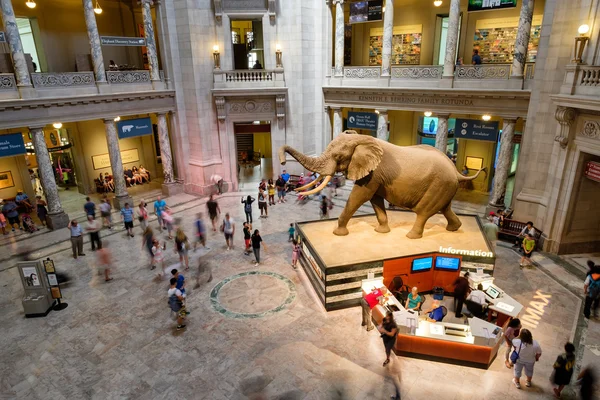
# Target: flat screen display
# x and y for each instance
(492, 292)
(366, 11)
(482, 5)
(429, 125)
(447, 263)
(422, 264)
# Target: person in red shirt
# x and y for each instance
(368, 302)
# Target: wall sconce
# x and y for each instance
(486, 117)
(580, 42)
(437, 3)
(217, 56)
(30, 3)
(97, 8)
(278, 62)
(428, 113)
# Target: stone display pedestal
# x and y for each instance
(57, 220)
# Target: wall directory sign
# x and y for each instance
(362, 120)
(12, 145)
(134, 127)
(127, 156)
(476, 129)
(482, 5)
(122, 41)
(366, 11)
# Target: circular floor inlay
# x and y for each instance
(252, 294)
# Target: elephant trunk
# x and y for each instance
(323, 165)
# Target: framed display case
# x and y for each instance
(406, 45)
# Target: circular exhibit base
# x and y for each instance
(60, 306)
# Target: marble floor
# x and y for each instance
(253, 332)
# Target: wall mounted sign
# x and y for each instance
(362, 120)
(12, 145)
(366, 11)
(476, 129)
(483, 5)
(592, 171)
(474, 163)
(6, 180)
(134, 127)
(478, 253)
(127, 156)
(122, 41)
(2, 37)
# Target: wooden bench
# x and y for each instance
(512, 228)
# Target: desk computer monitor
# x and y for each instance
(421, 264)
(492, 292)
(447, 263)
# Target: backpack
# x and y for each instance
(594, 288)
(248, 207)
(175, 303)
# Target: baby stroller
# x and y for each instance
(28, 224)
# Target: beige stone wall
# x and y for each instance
(11, 164)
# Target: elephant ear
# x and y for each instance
(365, 158)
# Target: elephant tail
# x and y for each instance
(462, 178)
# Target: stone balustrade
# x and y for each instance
(248, 78)
(581, 80)
(362, 72)
(52, 80)
(484, 71)
(128, 77)
(7, 82)
(417, 75)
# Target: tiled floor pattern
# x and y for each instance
(117, 340)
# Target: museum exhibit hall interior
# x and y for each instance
(299, 199)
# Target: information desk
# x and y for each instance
(336, 265)
(476, 343)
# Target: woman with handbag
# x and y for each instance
(389, 332)
(182, 246)
(525, 354)
(512, 331)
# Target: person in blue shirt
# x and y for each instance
(180, 281)
(476, 59)
(436, 313)
(9, 209)
(159, 206)
(76, 238)
(127, 215)
(90, 208)
(285, 176)
(23, 200)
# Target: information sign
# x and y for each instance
(362, 120)
(476, 129)
(122, 41)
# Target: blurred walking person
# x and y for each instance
(389, 332)
(182, 246)
(200, 232)
(105, 210)
(143, 215)
(213, 211)
(105, 261)
(93, 228)
(148, 243)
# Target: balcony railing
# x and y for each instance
(362, 72)
(62, 79)
(583, 80)
(7, 82)
(128, 77)
(248, 78)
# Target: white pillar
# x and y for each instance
(522, 40)
(327, 128)
(327, 39)
(14, 43)
(150, 43)
(116, 165)
(339, 37)
(388, 32)
(338, 121)
(452, 39)
(441, 135)
(56, 218)
(382, 124)
(503, 162)
(165, 148)
(95, 47)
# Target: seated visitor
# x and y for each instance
(477, 296)
(136, 175)
(108, 179)
(144, 173)
(128, 176)
(413, 300)
(528, 229)
(436, 312)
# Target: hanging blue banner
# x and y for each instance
(476, 129)
(12, 145)
(134, 127)
(362, 120)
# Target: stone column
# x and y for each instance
(382, 122)
(522, 41)
(56, 217)
(150, 43)
(338, 121)
(451, 39)
(14, 42)
(503, 163)
(328, 28)
(95, 47)
(327, 128)
(165, 148)
(441, 135)
(339, 38)
(388, 32)
(163, 42)
(116, 165)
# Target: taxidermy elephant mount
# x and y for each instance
(420, 178)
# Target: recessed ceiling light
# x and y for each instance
(57, 125)
(486, 117)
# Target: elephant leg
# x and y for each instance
(358, 196)
(379, 207)
(453, 221)
(417, 230)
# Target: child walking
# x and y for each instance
(295, 253)
(291, 232)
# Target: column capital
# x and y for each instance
(565, 115)
(381, 111)
(326, 108)
(335, 108)
(442, 115)
(144, 2)
(36, 127)
(109, 120)
(336, 2)
(162, 113)
(509, 120)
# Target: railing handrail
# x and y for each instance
(7, 81)
(482, 71)
(128, 76)
(62, 79)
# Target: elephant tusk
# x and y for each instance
(319, 188)
(311, 184)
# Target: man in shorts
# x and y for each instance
(228, 228)
(213, 211)
(176, 302)
(127, 215)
